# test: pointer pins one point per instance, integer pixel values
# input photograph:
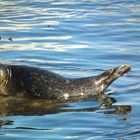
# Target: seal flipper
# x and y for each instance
(106, 78)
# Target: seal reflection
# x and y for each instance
(11, 106)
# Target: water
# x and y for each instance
(74, 39)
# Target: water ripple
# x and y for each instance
(74, 39)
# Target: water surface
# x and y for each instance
(74, 39)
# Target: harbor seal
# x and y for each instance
(31, 82)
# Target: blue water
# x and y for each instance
(74, 39)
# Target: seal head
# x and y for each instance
(4, 78)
